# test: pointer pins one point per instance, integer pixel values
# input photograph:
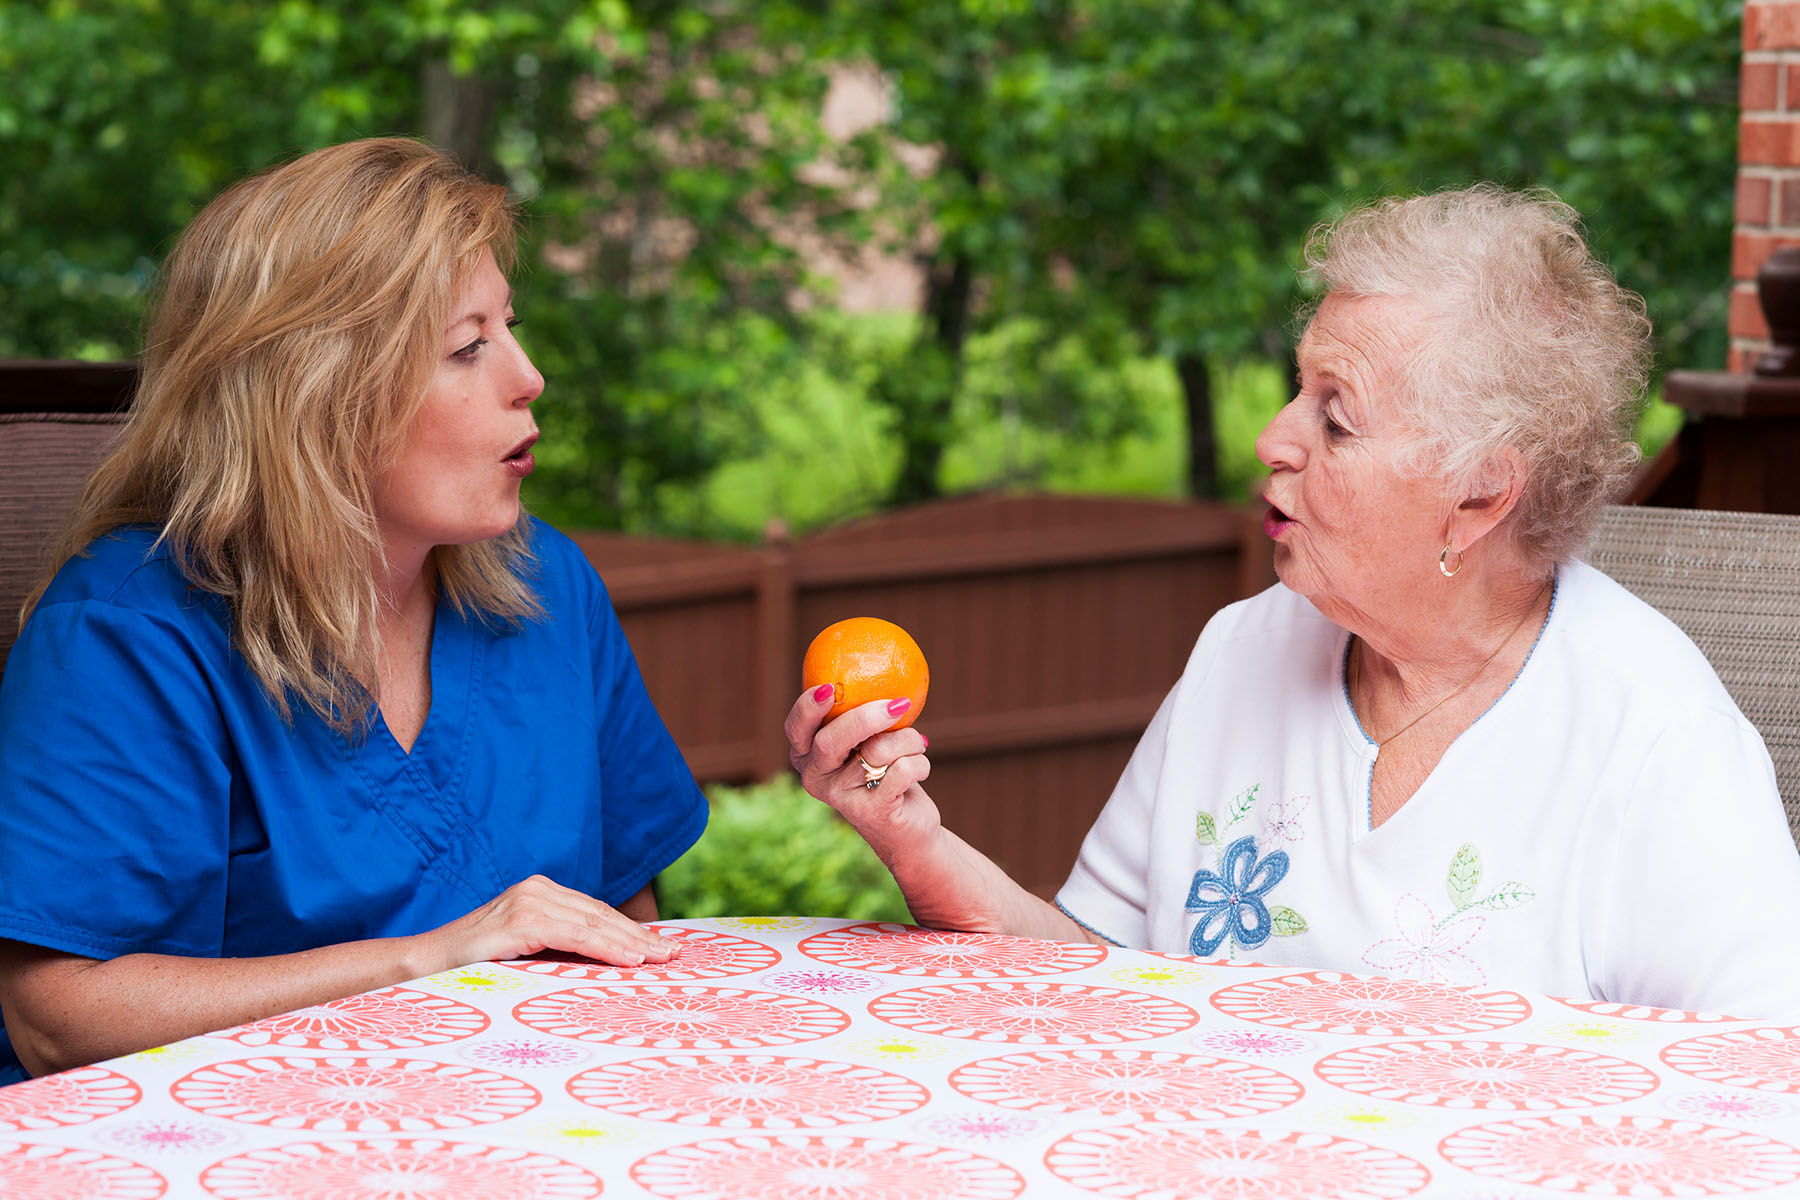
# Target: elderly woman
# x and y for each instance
(310, 706)
(1442, 747)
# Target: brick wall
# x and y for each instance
(1768, 183)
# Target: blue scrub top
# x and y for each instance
(152, 799)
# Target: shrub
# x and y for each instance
(772, 850)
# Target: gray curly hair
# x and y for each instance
(1530, 343)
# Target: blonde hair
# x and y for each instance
(296, 325)
(1529, 343)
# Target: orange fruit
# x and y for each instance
(864, 659)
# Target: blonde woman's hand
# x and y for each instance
(830, 759)
(535, 915)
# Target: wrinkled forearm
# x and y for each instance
(948, 884)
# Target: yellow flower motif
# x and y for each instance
(478, 979)
(173, 1052)
(1366, 1119)
(898, 1048)
(1158, 975)
(1592, 1031)
(586, 1133)
(767, 924)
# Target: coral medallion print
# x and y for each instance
(396, 1018)
(1486, 1075)
(1033, 1013)
(69, 1098)
(704, 955)
(1330, 1002)
(398, 1169)
(681, 1017)
(794, 1167)
(1162, 1161)
(1620, 1155)
(748, 1091)
(354, 1095)
(29, 1172)
(888, 949)
(1159, 1084)
(1765, 1059)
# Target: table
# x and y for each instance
(804, 1058)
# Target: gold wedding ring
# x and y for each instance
(872, 776)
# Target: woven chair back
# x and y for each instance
(45, 458)
(1731, 581)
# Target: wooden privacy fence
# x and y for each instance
(1054, 626)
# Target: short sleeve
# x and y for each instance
(1108, 890)
(114, 795)
(1703, 907)
(652, 810)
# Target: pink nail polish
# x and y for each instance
(822, 693)
(926, 740)
(896, 707)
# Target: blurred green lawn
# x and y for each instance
(826, 456)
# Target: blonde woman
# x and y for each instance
(309, 705)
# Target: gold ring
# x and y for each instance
(872, 776)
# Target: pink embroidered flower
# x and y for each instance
(1427, 948)
(1283, 827)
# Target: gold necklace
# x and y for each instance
(1356, 672)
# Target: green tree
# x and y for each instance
(660, 147)
(1107, 165)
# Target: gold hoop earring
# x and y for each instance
(1444, 562)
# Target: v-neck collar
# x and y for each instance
(1364, 748)
(435, 771)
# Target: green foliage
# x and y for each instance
(1113, 186)
(1110, 165)
(772, 850)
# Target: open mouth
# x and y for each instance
(1275, 520)
(520, 462)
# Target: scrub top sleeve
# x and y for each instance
(651, 808)
(114, 793)
(1705, 880)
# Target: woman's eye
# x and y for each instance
(468, 352)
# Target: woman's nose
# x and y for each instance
(530, 384)
(1278, 445)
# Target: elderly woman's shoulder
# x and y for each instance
(1616, 634)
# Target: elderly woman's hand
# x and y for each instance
(539, 914)
(830, 760)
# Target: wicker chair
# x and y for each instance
(57, 421)
(1731, 581)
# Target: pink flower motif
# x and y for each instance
(982, 1127)
(526, 1054)
(1284, 827)
(1729, 1106)
(821, 981)
(1427, 948)
(170, 1136)
(1252, 1041)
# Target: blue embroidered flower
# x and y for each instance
(1230, 900)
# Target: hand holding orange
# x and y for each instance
(864, 659)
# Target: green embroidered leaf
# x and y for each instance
(1507, 895)
(1240, 805)
(1286, 921)
(1204, 830)
(1465, 875)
